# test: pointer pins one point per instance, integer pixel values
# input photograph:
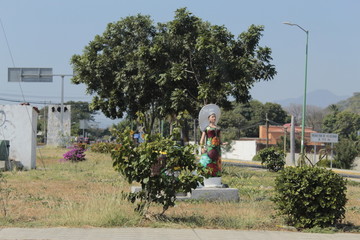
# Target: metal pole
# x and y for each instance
(304, 103)
(332, 155)
(45, 122)
(267, 131)
(302, 153)
(285, 133)
(62, 106)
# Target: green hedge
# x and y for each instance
(272, 158)
(310, 196)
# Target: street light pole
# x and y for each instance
(302, 153)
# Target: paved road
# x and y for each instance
(161, 234)
(353, 174)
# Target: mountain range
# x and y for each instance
(320, 98)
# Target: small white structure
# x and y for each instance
(55, 134)
(241, 150)
(18, 124)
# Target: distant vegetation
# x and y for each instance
(351, 104)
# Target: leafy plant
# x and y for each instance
(170, 67)
(160, 165)
(272, 158)
(346, 152)
(76, 153)
(310, 196)
(103, 147)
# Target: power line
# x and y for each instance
(19, 101)
(7, 43)
(44, 97)
(39, 102)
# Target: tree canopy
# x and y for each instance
(244, 119)
(345, 123)
(351, 104)
(168, 68)
(80, 111)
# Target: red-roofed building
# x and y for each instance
(276, 132)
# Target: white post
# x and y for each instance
(332, 154)
(292, 140)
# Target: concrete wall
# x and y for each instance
(54, 135)
(18, 124)
(241, 150)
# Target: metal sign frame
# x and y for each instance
(324, 137)
(30, 74)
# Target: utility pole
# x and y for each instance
(45, 122)
(285, 133)
(267, 131)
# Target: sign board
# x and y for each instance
(324, 137)
(30, 75)
(84, 124)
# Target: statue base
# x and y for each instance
(212, 182)
(213, 191)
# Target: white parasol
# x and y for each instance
(204, 114)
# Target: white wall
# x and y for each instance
(54, 135)
(18, 124)
(241, 150)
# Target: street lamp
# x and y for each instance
(304, 103)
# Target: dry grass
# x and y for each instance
(89, 194)
(353, 205)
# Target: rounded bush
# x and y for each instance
(272, 158)
(76, 153)
(310, 196)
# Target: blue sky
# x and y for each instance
(46, 33)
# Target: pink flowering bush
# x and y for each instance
(76, 153)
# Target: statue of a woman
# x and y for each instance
(210, 139)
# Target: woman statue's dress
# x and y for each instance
(212, 158)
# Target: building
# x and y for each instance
(274, 134)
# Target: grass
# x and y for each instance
(88, 194)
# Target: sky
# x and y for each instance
(47, 33)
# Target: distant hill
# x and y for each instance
(319, 98)
(351, 104)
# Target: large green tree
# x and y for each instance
(168, 68)
(346, 124)
(80, 111)
(244, 119)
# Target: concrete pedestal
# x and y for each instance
(213, 182)
(214, 194)
(206, 194)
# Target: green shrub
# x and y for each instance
(326, 163)
(256, 158)
(310, 196)
(272, 158)
(160, 165)
(103, 147)
(346, 151)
